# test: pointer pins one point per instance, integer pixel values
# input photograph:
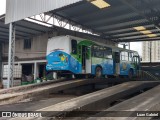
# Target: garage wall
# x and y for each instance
(37, 50)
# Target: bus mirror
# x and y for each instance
(140, 59)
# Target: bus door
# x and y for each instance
(84, 56)
(88, 60)
(117, 63)
(136, 62)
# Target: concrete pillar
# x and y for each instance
(35, 70)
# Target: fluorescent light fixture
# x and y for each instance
(146, 32)
(100, 3)
(140, 28)
(152, 35)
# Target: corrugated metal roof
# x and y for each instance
(117, 21)
(29, 29)
(20, 9)
(114, 23)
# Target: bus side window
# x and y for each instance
(130, 54)
(124, 56)
(107, 53)
(74, 46)
(100, 52)
(95, 50)
(88, 52)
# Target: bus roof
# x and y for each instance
(113, 47)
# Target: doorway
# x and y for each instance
(42, 70)
(27, 69)
(84, 54)
(117, 62)
(136, 61)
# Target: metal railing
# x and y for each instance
(145, 75)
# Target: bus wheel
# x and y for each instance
(98, 72)
(130, 74)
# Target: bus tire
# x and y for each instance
(98, 72)
(130, 74)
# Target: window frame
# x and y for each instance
(108, 48)
(101, 50)
(124, 56)
(72, 46)
(27, 43)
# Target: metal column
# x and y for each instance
(150, 53)
(0, 61)
(11, 54)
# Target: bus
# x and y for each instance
(78, 56)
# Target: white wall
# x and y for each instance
(155, 51)
(38, 48)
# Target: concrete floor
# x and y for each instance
(35, 105)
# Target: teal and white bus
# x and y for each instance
(73, 55)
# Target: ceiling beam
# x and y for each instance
(141, 13)
(131, 34)
(128, 30)
(4, 40)
(126, 25)
(139, 40)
